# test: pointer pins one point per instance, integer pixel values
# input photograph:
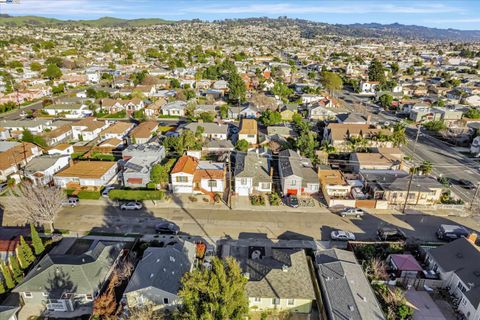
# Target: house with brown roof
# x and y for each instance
(62, 148)
(373, 161)
(88, 129)
(248, 131)
(118, 130)
(189, 175)
(340, 135)
(334, 184)
(144, 132)
(14, 156)
(94, 174)
(58, 135)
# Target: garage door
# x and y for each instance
(242, 191)
(292, 192)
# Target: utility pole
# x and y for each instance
(477, 190)
(229, 196)
(412, 172)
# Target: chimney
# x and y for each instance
(472, 237)
(369, 118)
(271, 171)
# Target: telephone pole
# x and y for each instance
(477, 190)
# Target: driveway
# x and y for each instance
(424, 306)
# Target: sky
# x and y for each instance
(457, 14)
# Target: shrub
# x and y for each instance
(257, 200)
(193, 199)
(136, 194)
(274, 199)
(90, 195)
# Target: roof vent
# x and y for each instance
(158, 260)
(164, 269)
(351, 308)
(172, 259)
(284, 268)
(151, 275)
(476, 273)
(247, 275)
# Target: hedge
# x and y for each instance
(136, 194)
(90, 195)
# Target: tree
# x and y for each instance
(435, 125)
(376, 72)
(472, 113)
(386, 101)
(15, 269)
(7, 276)
(398, 136)
(270, 118)
(426, 167)
(35, 204)
(2, 288)
(27, 251)
(35, 66)
(395, 67)
(242, 145)
(297, 119)
(331, 81)
(307, 144)
(215, 294)
(37, 242)
(159, 174)
(207, 117)
(224, 109)
(282, 90)
(53, 72)
(237, 88)
(174, 83)
(410, 71)
(146, 312)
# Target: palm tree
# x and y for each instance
(327, 148)
(426, 167)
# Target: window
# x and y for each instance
(257, 299)
(181, 179)
(293, 183)
(165, 300)
(411, 196)
(243, 181)
(275, 301)
(45, 294)
(291, 302)
(251, 135)
(314, 187)
(265, 185)
(461, 287)
(212, 183)
(27, 295)
(88, 297)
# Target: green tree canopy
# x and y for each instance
(281, 89)
(472, 113)
(53, 72)
(242, 145)
(237, 88)
(331, 81)
(15, 269)
(7, 276)
(270, 118)
(37, 242)
(386, 101)
(376, 71)
(214, 294)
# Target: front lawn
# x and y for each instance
(137, 195)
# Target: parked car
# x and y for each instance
(3, 187)
(342, 235)
(167, 227)
(466, 184)
(23, 114)
(391, 234)
(71, 201)
(106, 191)
(134, 205)
(349, 212)
(449, 232)
(292, 201)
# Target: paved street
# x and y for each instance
(275, 225)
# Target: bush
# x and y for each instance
(136, 195)
(274, 199)
(151, 185)
(89, 195)
(257, 200)
(192, 199)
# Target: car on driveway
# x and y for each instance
(167, 227)
(292, 201)
(70, 202)
(134, 205)
(466, 184)
(106, 191)
(342, 235)
(391, 234)
(352, 212)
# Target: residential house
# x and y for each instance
(206, 108)
(65, 283)
(287, 111)
(154, 109)
(368, 87)
(91, 174)
(14, 156)
(140, 159)
(345, 291)
(404, 265)
(157, 277)
(63, 148)
(144, 132)
(475, 147)
(310, 98)
(248, 131)
(41, 170)
(339, 135)
(88, 129)
(297, 176)
(189, 175)
(10, 307)
(319, 110)
(57, 135)
(458, 265)
(16, 127)
(392, 186)
(174, 109)
(249, 112)
(373, 161)
(252, 174)
(68, 110)
(118, 130)
(333, 184)
(212, 131)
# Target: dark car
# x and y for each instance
(391, 234)
(449, 232)
(466, 184)
(292, 201)
(167, 227)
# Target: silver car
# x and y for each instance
(135, 205)
(342, 235)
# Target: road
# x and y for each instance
(214, 224)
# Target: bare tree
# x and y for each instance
(376, 269)
(35, 204)
(146, 312)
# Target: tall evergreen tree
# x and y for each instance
(27, 251)
(22, 260)
(7, 276)
(2, 288)
(37, 242)
(376, 72)
(15, 268)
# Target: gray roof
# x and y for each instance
(82, 274)
(175, 105)
(290, 163)
(249, 165)
(10, 306)
(218, 144)
(42, 163)
(462, 257)
(6, 145)
(346, 292)
(23, 123)
(210, 128)
(282, 131)
(64, 106)
(391, 180)
(351, 118)
(163, 268)
(282, 273)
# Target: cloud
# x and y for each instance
(460, 20)
(60, 7)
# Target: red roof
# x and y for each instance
(185, 164)
(405, 262)
(8, 245)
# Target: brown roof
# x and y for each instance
(144, 129)
(208, 174)
(248, 126)
(185, 164)
(331, 177)
(373, 158)
(342, 131)
(112, 141)
(117, 128)
(87, 169)
(58, 131)
(61, 146)
(90, 123)
(16, 154)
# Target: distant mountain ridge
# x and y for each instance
(309, 29)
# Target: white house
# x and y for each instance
(41, 170)
(252, 174)
(69, 110)
(174, 109)
(94, 174)
(475, 147)
(368, 87)
(88, 129)
(297, 176)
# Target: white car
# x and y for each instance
(342, 235)
(106, 191)
(131, 206)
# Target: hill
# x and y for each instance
(101, 22)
